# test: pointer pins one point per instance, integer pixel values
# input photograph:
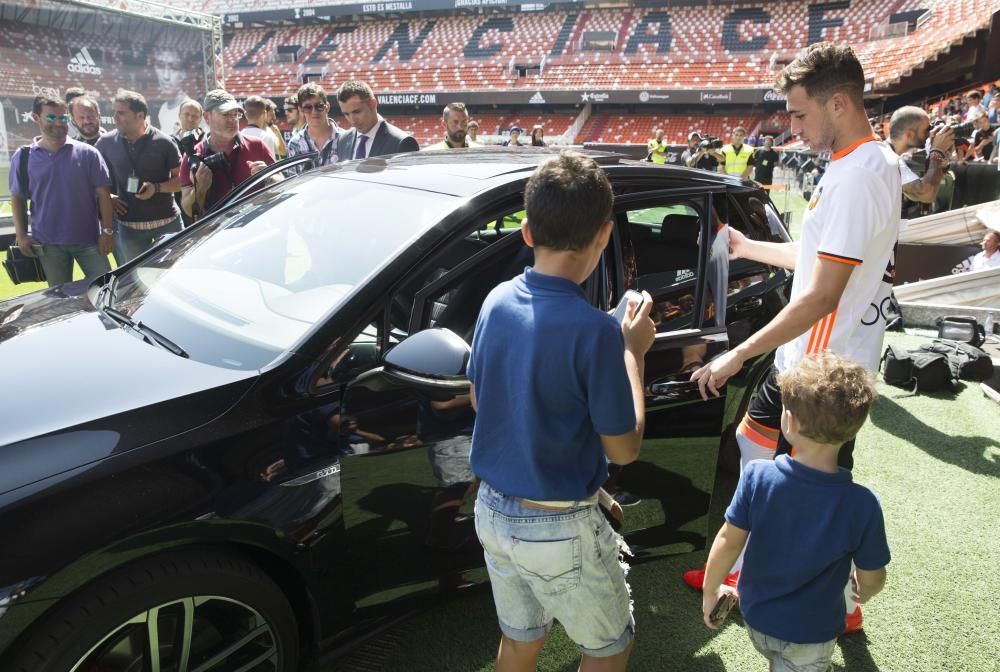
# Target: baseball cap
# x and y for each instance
(516, 129)
(694, 134)
(220, 100)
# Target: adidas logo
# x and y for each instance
(83, 63)
(537, 99)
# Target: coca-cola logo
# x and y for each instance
(772, 96)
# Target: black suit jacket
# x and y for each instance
(388, 140)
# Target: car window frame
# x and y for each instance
(703, 196)
(422, 299)
(247, 187)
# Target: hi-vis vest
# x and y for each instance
(657, 151)
(737, 163)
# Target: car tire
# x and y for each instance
(224, 597)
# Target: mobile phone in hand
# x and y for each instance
(621, 311)
(722, 608)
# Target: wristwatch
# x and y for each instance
(108, 232)
(156, 187)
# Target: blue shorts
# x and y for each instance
(564, 565)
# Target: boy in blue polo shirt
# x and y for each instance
(807, 522)
(557, 385)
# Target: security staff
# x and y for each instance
(657, 148)
(739, 157)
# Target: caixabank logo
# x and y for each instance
(82, 63)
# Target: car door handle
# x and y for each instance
(748, 304)
(675, 390)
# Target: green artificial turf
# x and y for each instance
(934, 461)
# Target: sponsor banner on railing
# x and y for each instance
(578, 97)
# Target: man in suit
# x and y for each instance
(370, 134)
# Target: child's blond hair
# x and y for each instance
(829, 396)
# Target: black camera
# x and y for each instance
(960, 130)
(213, 162)
(711, 142)
(186, 143)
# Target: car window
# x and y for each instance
(759, 221)
(363, 354)
(239, 290)
(662, 242)
(450, 290)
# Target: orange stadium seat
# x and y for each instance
(637, 129)
(427, 129)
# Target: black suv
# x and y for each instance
(251, 443)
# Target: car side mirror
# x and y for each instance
(430, 363)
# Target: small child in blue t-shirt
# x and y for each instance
(803, 522)
(558, 389)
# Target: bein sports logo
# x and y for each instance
(83, 63)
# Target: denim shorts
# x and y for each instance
(789, 657)
(564, 565)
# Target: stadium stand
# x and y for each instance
(687, 46)
(636, 129)
(703, 49)
(426, 128)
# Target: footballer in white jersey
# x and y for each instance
(853, 218)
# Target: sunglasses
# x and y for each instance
(53, 118)
(309, 107)
(290, 109)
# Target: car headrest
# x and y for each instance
(680, 230)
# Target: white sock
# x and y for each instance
(749, 448)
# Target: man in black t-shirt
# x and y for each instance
(765, 160)
(982, 137)
(144, 163)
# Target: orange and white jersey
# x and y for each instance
(853, 218)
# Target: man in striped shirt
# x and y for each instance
(842, 263)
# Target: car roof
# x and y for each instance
(464, 172)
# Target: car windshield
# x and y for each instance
(240, 290)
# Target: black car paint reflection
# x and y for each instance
(320, 424)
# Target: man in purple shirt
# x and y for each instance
(67, 182)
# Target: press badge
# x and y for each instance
(133, 185)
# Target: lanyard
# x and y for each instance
(131, 147)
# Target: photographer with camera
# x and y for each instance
(910, 129)
(221, 161)
(703, 154)
(144, 162)
(191, 132)
(187, 136)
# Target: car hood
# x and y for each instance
(68, 368)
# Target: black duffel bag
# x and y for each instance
(967, 361)
(21, 268)
(917, 370)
